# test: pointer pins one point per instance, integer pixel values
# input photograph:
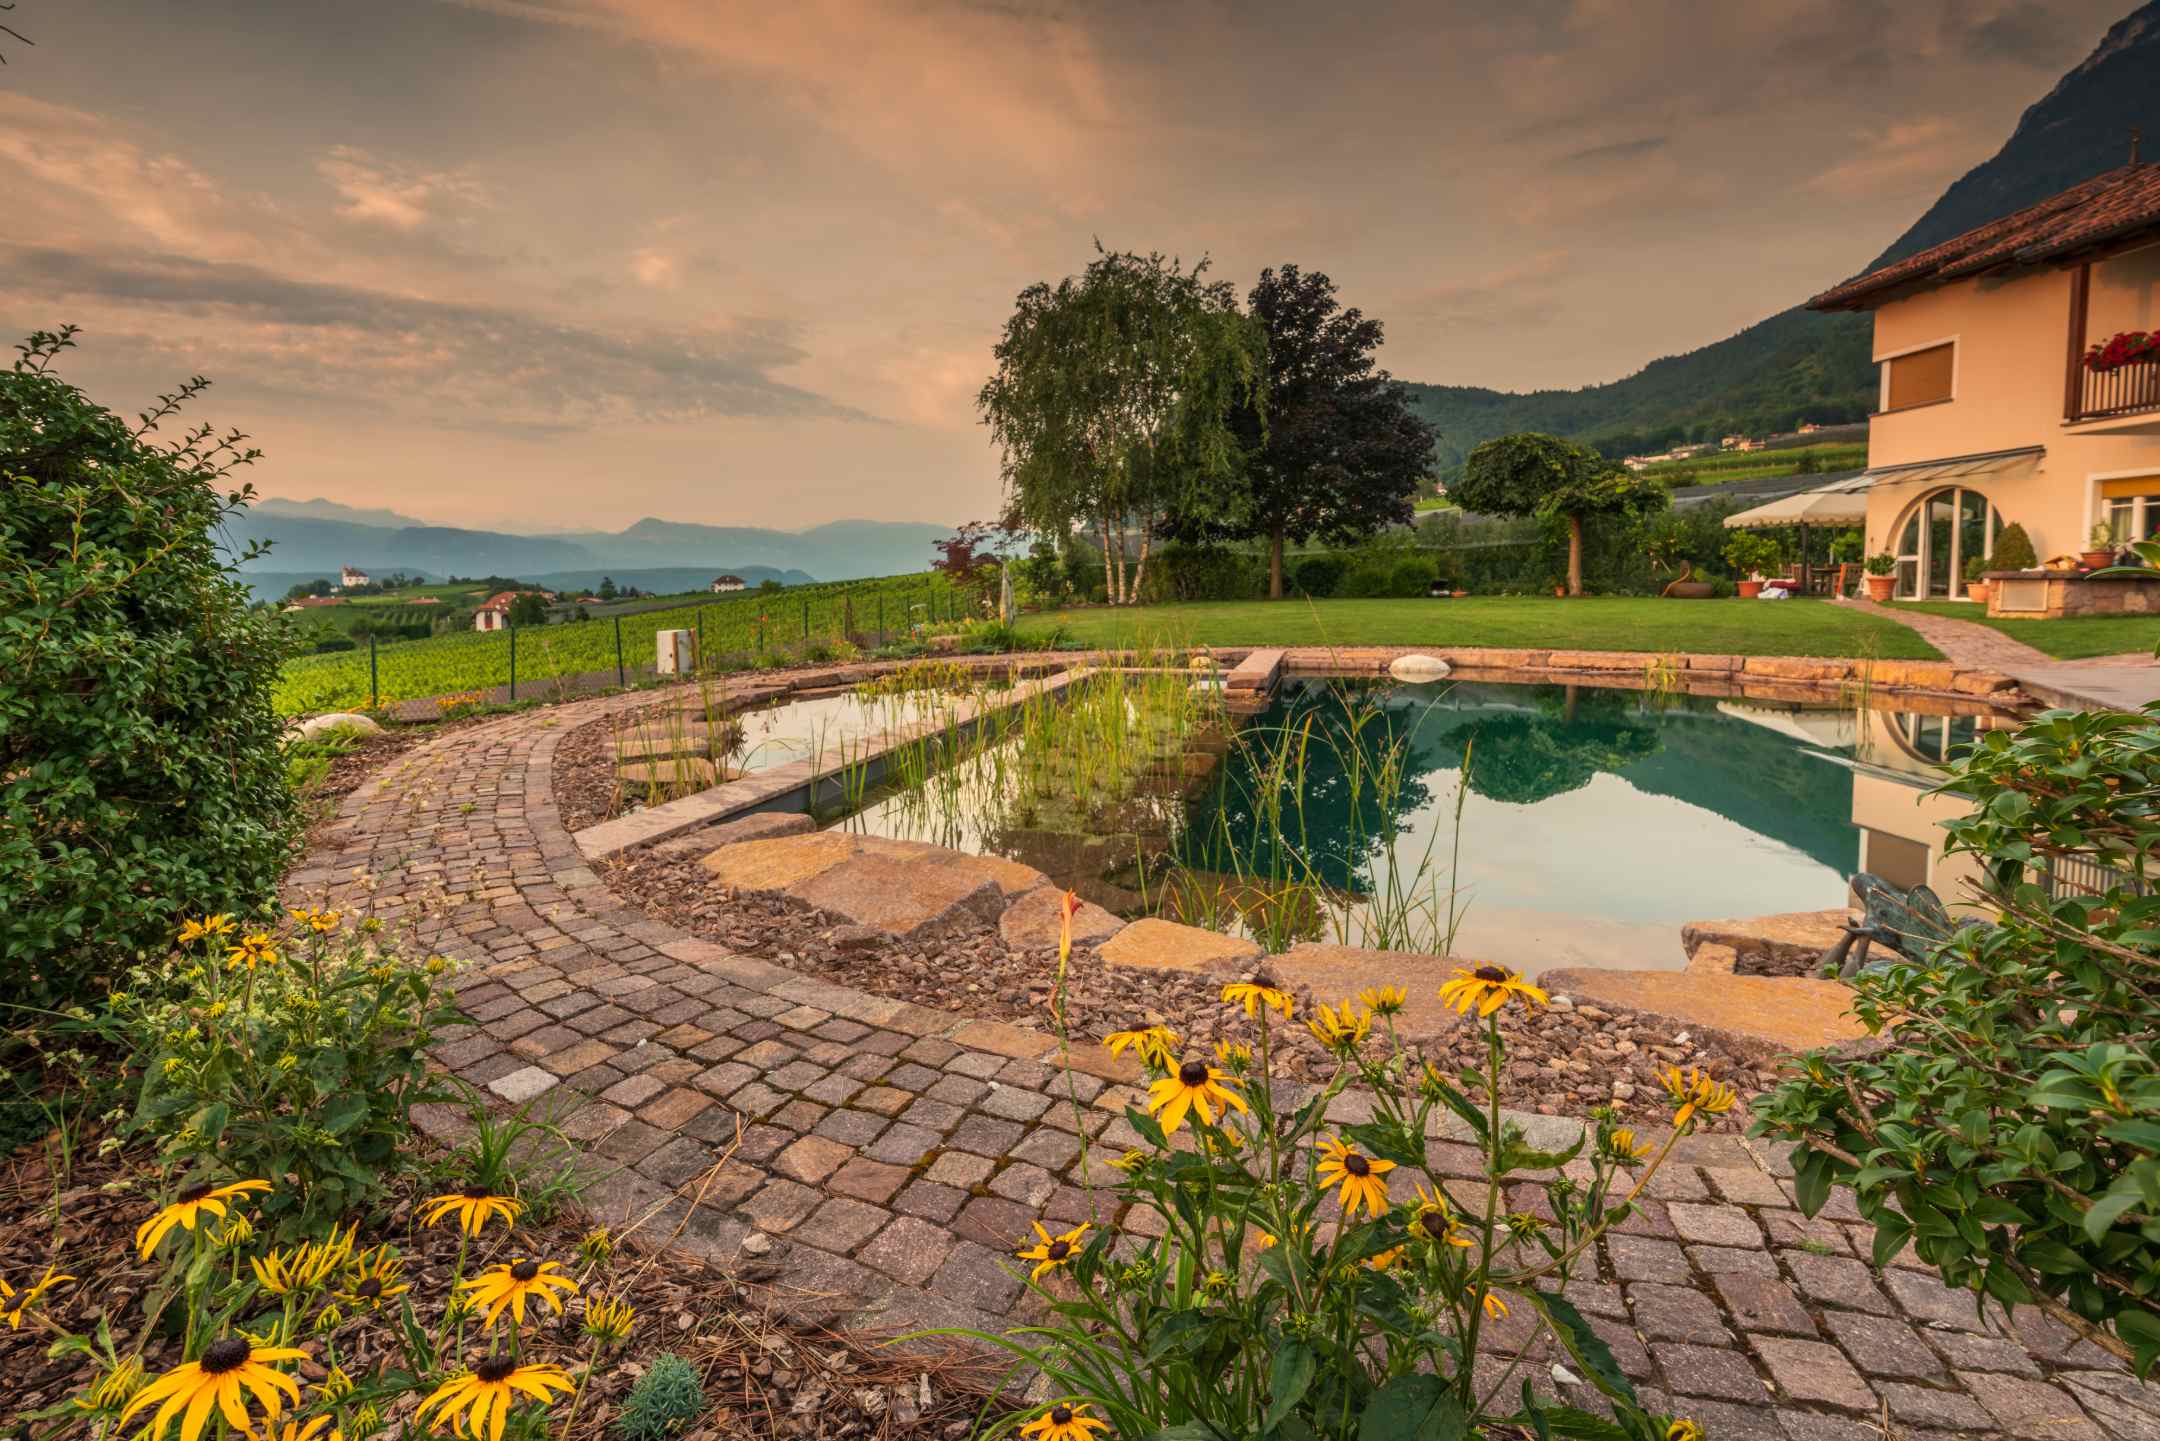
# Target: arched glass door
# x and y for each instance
(1939, 532)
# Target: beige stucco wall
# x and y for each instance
(2012, 342)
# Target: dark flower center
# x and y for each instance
(192, 1195)
(492, 1369)
(1059, 1250)
(1061, 1415)
(524, 1270)
(1193, 1073)
(1356, 1165)
(1436, 1225)
(229, 1354)
(368, 1289)
(476, 1193)
(1491, 973)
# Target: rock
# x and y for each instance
(855, 938)
(1787, 944)
(765, 825)
(1159, 945)
(1335, 973)
(1758, 1017)
(1031, 922)
(338, 723)
(1415, 668)
(1563, 1003)
(757, 1243)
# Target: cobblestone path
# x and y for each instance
(891, 1157)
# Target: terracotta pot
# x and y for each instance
(1749, 589)
(1977, 591)
(1880, 587)
(1690, 590)
(2094, 559)
(1559, 592)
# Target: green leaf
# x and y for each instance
(1149, 1131)
(1413, 1408)
(1288, 1380)
(1585, 1345)
(1515, 1156)
(1386, 1141)
(1811, 1179)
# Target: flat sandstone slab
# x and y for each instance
(1761, 1017)
(898, 887)
(1031, 922)
(1337, 973)
(1794, 939)
(1159, 945)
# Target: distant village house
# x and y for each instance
(726, 583)
(494, 612)
(350, 577)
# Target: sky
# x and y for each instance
(559, 264)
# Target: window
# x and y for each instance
(1939, 533)
(1919, 377)
(2132, 506)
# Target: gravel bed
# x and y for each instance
(1561, 1061)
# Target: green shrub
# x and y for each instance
(140, 773)
(1199, 572)
(1318, 575)
(1368, 578)
(2007, 1124)
(297, 1056)
(663, 1403)
(1751, 554)
(2013, 550)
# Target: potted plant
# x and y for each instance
(1881, 576)
(1559, 587)
(2100, 550)
(1976, 589)
(1749, 554)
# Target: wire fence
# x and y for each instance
(727, 632)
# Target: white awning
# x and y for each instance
(1844, 502)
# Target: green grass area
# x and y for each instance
(2072, 638)
(748, 624)
(1759, 464)
(1734, 627)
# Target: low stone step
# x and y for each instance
(1759, 1017)
(762, 826)
(1788, 944)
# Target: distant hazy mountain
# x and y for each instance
(320, 509)
(666, 581)
(316, 543)
(1798, 365)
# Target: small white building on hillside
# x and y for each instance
(726, 583)
(351, 576)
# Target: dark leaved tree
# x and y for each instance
(1339, 454)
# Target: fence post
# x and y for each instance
(374, 690)
(513, 656)
(620, 679)
(806, 617)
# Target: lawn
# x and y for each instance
(2076, 638)
(1733, 627)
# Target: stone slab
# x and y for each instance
(776, 864)
(1336, 973)
(1795, 939)
(1762, 1017)
(763, 826)
(1032, 921)
(1158, 945)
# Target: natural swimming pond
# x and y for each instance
(1594, 822)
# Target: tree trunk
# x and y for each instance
(1274, 575)
(1109, 580)
(1574, 555)
(1147, 534)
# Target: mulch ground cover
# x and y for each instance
(766, 1374)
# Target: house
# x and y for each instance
(494, 612)
(726, 583)
(2014, 387)
(351, 576)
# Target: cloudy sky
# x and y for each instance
(559, 263)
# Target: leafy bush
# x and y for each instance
(1285, 1281)
(2013, 550)
(1198, 572)
(1319, 575)
(139, 756)
(2008, 1123)
(663, 1403)
(1750, 553)
(295, 1055)
(1367, 578)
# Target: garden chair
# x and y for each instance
(1910, 924)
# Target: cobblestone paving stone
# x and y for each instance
(890, 1157)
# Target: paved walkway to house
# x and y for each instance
(882, 1160)
(2113, 682)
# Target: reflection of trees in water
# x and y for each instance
(1523, 759)
(1327, 772)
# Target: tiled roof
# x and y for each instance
(2107, 208)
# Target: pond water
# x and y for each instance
(1594, 824)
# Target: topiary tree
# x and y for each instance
(2006, 1122)
(141, 777)
(1545, 476)
(2013, 550)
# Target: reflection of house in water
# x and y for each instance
(1896, 759)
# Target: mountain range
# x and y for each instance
(1799, 365)
(315, 537)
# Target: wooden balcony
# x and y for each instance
(2131, 389)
